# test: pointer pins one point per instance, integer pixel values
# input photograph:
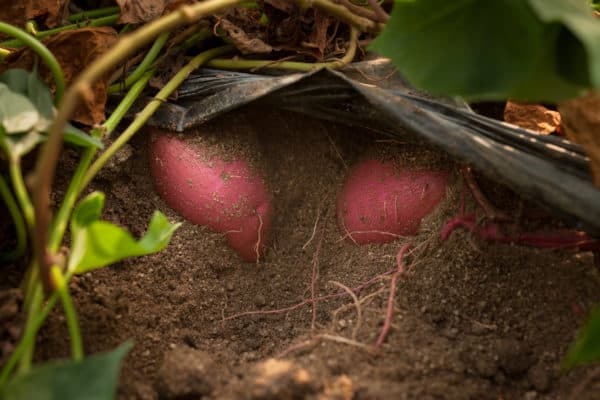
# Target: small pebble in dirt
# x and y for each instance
(531, 395)
(279, 379)
(450, 333)
(539, 378)
(513, 356)
(341, 388)
(260, 300)
(485, 366)
(186, 373)
(229, 286)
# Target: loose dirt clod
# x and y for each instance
(280, 379)
(186, 373)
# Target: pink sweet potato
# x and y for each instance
(380, 202)
(227, 196)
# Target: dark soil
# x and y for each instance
(472, 320)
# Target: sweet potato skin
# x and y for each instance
(380, 202)
(226, 196)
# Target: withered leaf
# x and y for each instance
(139, 11)
(245, 43)
(282, 5)
(20, 11)
(534, 117)
(318, 36)
(581, 123)
(74, 50)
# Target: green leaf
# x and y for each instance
(80, 138)
(586, 348)
(96, 243)
(89, 210)
(16, 146)
(94, 378)
(30, 85)
(580, 45)
(16, 79)
(39, 93)
(490, 51)
(17, 113)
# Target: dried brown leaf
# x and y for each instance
(75, 50)
(18, 12)
(243, 41)
(318, 36)
(282, 5)
(534, 117)
(581, 123)
(139, 11)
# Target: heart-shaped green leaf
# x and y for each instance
(94, 378)
(530, 50)
(17, 113)
(16, 146)
(96, 243)
(587, 346)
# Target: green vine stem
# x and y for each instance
(241, 64)
(33, 297)
(33, 291)
(31, 27)
(28, 338)
(17, 217)
(142, 66)
(46, 162)
(152, 106)
(100, 12)
(32, 305)
(104, 21)
(196, 38)
(43, 52)
(71, 316)
(75, 186)
(16, 176)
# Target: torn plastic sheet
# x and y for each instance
(547, 169)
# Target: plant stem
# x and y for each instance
(43, 52)
(27, 339)
(358, 10)
(18, 222)
(195, 38)
(379, 11)
(16, 177)
(341, 13)
(31, 27)
(33, 303)
(75, 186)
(46, 162)
(100, 12)
(70, 314)
(142, 66)
(104, 21)
(152, 106)
(241, 64)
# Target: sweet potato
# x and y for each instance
(208, 189)
(380, 201)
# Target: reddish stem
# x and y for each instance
(390, 306)
(489, 209)
(356, 290)
(559, 239)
